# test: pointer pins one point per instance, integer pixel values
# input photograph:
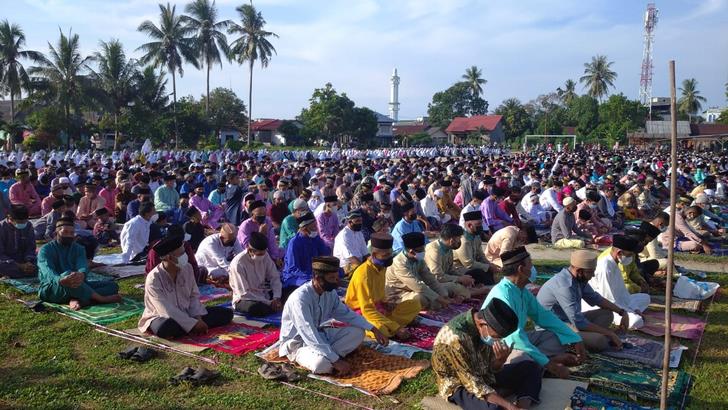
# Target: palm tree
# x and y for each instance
(252, 45)
(116, 75)
(209, 38)
(13, 77)
(690, 99)
(152, 89)
(568, 93)
(474, 78)
(170, 49)
(62, 77)
(598, 77)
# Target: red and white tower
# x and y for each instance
(646, 76)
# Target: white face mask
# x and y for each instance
(626, 260)
(182, 260)
(154, 218)
(313, 234)
(420, 256)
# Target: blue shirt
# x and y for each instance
(400, 229)
(525, 305)
(301, 250)
(562, 295)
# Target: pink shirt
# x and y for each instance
(110, 198)
(23, 194)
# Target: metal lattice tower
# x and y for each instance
(646, 76)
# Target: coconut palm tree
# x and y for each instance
(208, 35)
(62, 77)
(116, 76)
(598, 77)
(13, 77)
(568, 93)
(474, 78)
(252, 45)
(151, 88)
(171, 48)
(690, 98)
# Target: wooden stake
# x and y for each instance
(671, 233)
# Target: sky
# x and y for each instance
(525, 48)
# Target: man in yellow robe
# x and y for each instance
(366, 295)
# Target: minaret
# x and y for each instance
(394, 97)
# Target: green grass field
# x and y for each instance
(51, 361)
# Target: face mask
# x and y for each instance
(199, 194)
(356, 227)
(593, 206)
(382, 262)
(187, 237)
(66, 240)
(420, 256)
(477, 231)
(228, 243)
(625, 260)
(313, 234)
(182, 260)
(329, 286)
(21, 226)
(488, 340)
(532, 277)
(260, 219)
(154, 218)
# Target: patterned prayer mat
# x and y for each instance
(212, 292)
(31, 284)
(640, 350)
(104, 314)
(272, 319)
(167, 342)
(121, 272)
(690, 305)
(585, 400)
(372, 373)
(422, 336)
(682, 326)
(452, 310)
(235, 338)
(626, 376)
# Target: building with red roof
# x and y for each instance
(267, 131)
(488, 127)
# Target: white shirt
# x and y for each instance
(349, 244)
(608, 282)
(212, 254)
(134, 237)
(549, 200)
(429, 208)
(467, 208)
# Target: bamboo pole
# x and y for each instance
(671, 233)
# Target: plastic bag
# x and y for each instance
(687, 288)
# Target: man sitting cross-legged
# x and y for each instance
(172, 305)
(563, 294)
(217, 250)
(439, 260)
(305, 339)
(62, 269)
(365, 293)
(17, 244)
(469, 360)
(255, 280)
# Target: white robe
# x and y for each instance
(134, 237)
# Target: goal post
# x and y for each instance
(557, 137)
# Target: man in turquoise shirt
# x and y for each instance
(547, 344)
(166, 197)
(62, 270)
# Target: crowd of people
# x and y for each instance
(402, 231)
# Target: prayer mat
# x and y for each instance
(185, 347)
(120, 272)
(235, 338)
(635, 222)
(640, 350)
(682, 326)
(690, 305)
(586, 400)
(452, 310)
(211, 292)
(105, 314)
(31, 284)
(626, 376)
(272, 319)
(395, 348)
(422, 336)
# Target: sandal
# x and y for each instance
(128, 353)
(203, 376)
(143, 354)
(289, 373)
(271, 371)
(182, 376)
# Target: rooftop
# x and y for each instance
(474, 123)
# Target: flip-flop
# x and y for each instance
(203, 376)
(271, 371)
(143, 354)
(129, 352)
(36, 306)
(289, 373)
(182, 376)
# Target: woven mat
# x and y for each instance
(658, 302)
(640, 350)
(422, 336)
(212, 292)
(104, 314)
(372, 372)
(121, 272)
(628, 377)
(235, 338)
(31, 284)
(185, 347)
(582, 399)
(681, 326)
(452, 310)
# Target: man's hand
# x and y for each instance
(28, 268)
(466, 280)
(624, 323)
(402, 334)
(73, 280)
(558, 369)
(616, 341)
(580, 352)
(276, 305)
(501, 352)
(200, 328)
(263, 228)
(342, 367)
(443, 301)
(381, 338)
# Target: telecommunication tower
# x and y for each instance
(646, 76)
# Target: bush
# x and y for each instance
(235, 145)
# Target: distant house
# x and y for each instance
(267, 131)
(406, 129)
(230, 134)
(490, 128)
(384, 131)
(711, 114)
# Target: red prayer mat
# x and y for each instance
(235, 339)
(682, 326)
(422, 336)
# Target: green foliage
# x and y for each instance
(457, 101)
(516, 121)
(48, 119)
(723, 118)
(191, 122)
(583, 112)
(291, 133)
(619, 109)
(473, 77)
(420, 138)
(226, 110)
(598, 76)
(690, 98)
(235, 145)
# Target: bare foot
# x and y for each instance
(74, 304)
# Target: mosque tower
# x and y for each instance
(394, 97)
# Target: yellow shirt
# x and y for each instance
(365, 290)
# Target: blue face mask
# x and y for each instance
(488, 340)
(21, 226)
(532, 278)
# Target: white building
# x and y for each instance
(711, 114)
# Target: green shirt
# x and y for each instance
(289, 228)
(165, 199)
(56, 261)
